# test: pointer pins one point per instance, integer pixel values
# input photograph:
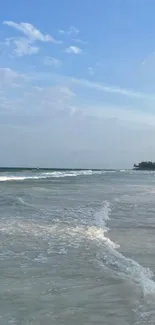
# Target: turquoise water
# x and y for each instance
(77, 247)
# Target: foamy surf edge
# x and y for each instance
(48, 175)
(124, 267)
(53, 174)
(108, 255)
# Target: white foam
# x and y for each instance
(18, 178)
(103, 214)
(63, 251)
(130, 269)
(108, 255)
(125, 267)
(41, 259)
(56, 174)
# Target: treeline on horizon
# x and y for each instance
(148, 165)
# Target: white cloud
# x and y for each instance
(70, 31)
(40, 100)
(30, 31)
(96, 86)
(73, 30)
(111, 89)
(54, 124)
(10, 77)
(66, 92)
(25, 45)
(73, 50)
(61, 97)
(50, 61)
(55, 98)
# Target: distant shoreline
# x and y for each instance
(47, 169)
(16, 169)
(144, 165)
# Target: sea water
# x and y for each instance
(77, 247)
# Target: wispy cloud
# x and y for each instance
(25, 93)
(73, 50)
(111, 89)
(78, 40)
(22, 46)
(30, 31)
(68, 80)
(70, 31)
(60, 97)
(25, 45)
(149, 59)
(50, 61)
(9, 77)
(91, 71)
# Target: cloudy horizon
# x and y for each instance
(77, 85)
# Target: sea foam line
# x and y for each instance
(108, 254)
(57, 174)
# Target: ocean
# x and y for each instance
(77, 247)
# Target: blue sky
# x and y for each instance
(77, 83)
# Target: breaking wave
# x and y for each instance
(97, 232)
(48, 175)
(108, 256)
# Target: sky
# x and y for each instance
(77, 83)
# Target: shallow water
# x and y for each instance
(77, 247)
